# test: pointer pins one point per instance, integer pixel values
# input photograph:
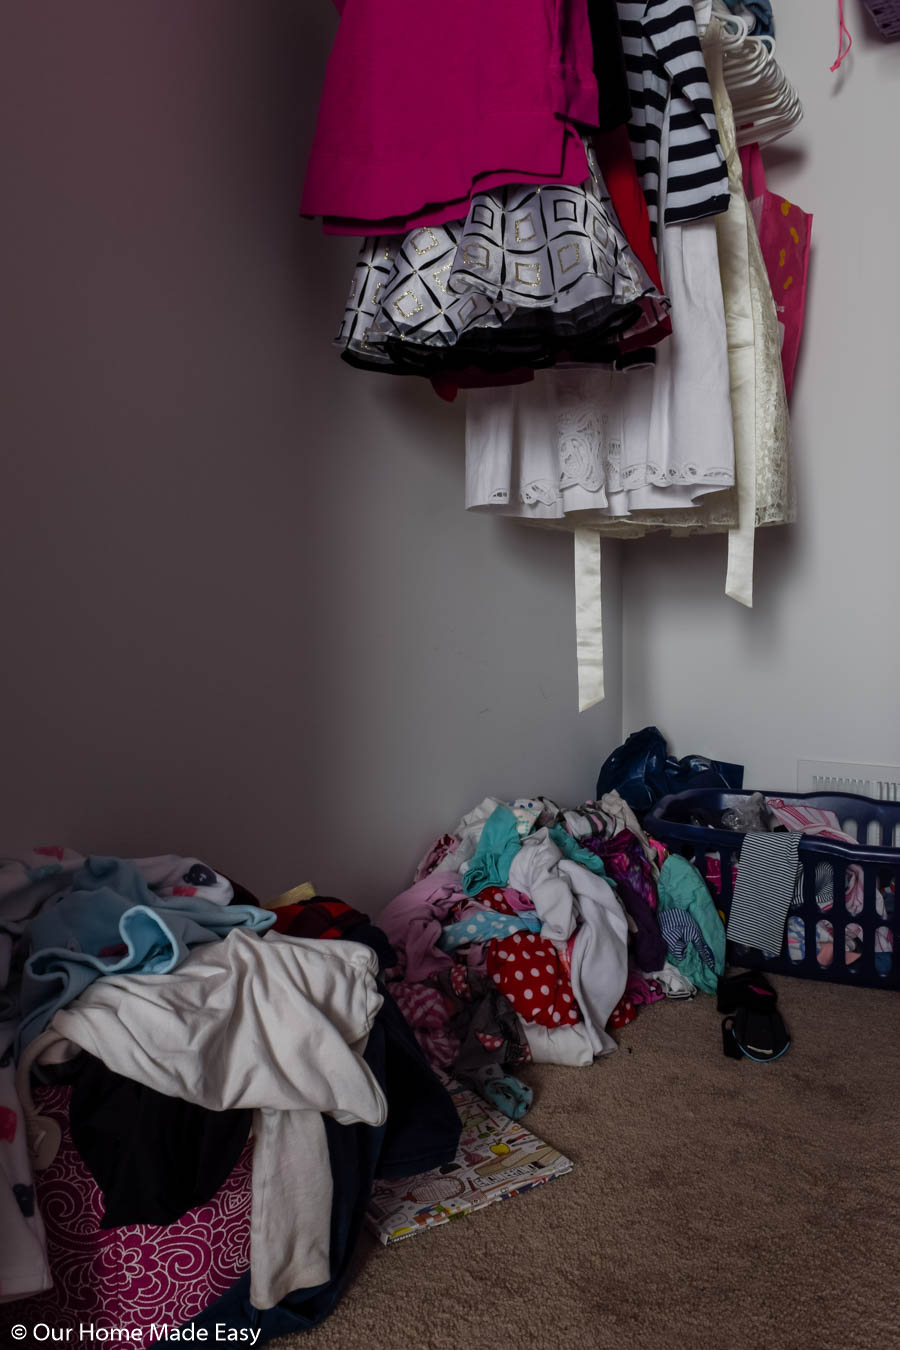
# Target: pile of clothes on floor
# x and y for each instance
(530, 931)
(154, 1020)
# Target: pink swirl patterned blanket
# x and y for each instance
(137, 1277)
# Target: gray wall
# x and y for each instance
(246, 615)
(811, 671)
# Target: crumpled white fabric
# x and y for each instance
(535, 871)
(559, 1045)
(561, 891)
(599, 953)
(673, 982)
(275, 1024)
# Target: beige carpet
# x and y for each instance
(714, 1205)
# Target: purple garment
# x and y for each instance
(641, 990)
(413, 923)
(627, 866)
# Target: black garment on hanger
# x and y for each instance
(153, 1157)
(609, 65)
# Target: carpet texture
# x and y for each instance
(714, 1205)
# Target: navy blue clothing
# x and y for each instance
(643, 772)
(154, 1157)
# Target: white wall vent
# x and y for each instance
(881, 781)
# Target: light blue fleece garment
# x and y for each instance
(108, 922)
(498, 845)
(571, 849)
(509, 1094)
(681, 887)
(484, 926)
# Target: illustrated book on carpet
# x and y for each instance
(496, 1159)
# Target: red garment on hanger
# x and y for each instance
(616, 163)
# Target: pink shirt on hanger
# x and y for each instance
(425, 103)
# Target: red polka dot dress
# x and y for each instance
(528, 969)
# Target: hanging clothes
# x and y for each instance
(666, 73)
(490, 264)
(593, 445)
(609, 65)
(606, 456)
(421, 111)
(548, 266)
(614, 161)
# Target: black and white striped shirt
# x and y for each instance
(767, 876)
(665, 68)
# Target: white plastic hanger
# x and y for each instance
(766, 105)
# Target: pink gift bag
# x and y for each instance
(784, 235)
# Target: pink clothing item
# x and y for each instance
(825, 824)
(809, 819)
(574, 170)
(517, 901)
(660, 850)
(428, 1013)
(505, 900)
(413, 920)
(714, 874)
(436, 853)
(422, 106)
(640, 989)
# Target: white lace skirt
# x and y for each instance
(608, 445)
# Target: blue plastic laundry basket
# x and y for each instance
(868, 938)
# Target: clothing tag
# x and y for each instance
(305, 891)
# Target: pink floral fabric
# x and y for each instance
(136, 1276)
(428, 1013)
